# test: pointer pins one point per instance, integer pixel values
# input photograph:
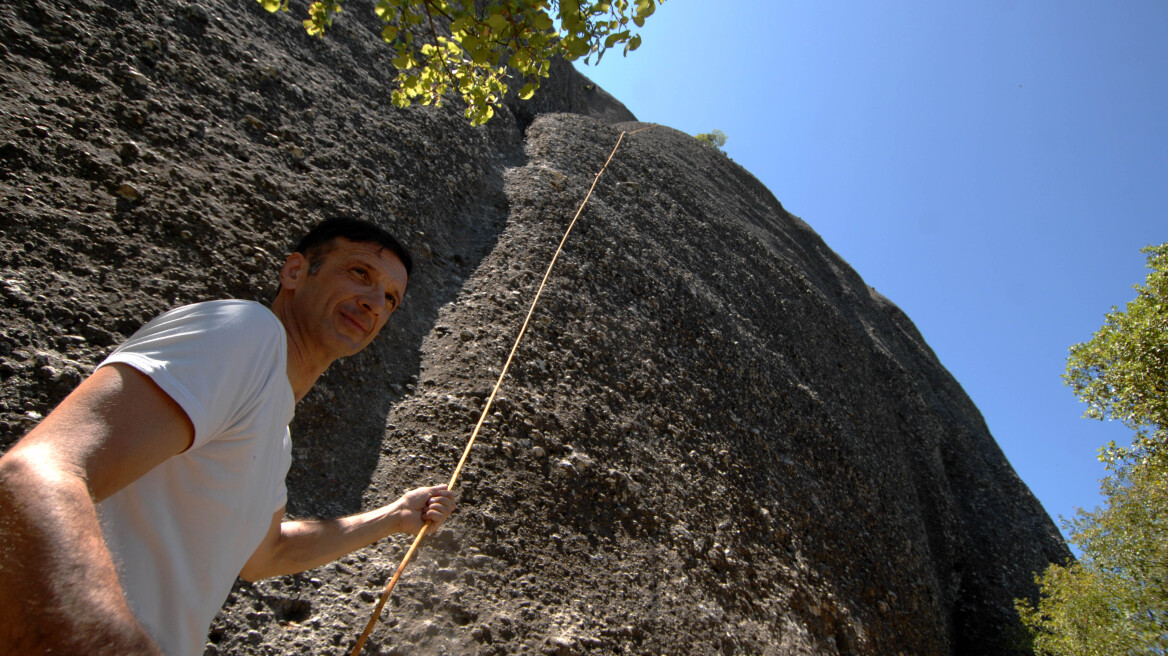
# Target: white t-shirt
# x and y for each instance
(181, 533)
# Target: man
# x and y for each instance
(126, 515)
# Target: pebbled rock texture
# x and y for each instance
(715, 438)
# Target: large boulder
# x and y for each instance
(714, 439)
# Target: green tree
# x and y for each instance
(467, 46)
(1114, 599)
(1122, 372)
(715, 138)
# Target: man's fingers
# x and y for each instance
(441, 504)
(439, 509)
(433, 504)
(440, 495)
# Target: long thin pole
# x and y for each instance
(486, 408)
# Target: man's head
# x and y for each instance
(339, 286)
(318, 241)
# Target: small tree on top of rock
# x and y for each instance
(1114, 600)
(485, 39)
(715, 138)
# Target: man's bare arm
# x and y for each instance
(60, 591)
(296, 546)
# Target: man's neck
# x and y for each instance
(303, 368)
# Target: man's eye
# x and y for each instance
(390, 301)
(359, 271)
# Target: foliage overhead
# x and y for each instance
(1114, 600)
(467, 46)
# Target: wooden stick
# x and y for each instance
(388, 589)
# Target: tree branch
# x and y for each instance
(441, 50)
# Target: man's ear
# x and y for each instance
(294, 271)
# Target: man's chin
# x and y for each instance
(345, 345)
(354, 349)
(351, 339)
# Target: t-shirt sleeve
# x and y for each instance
(214, 359)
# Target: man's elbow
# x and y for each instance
(253, 572)
(35, 469)
(13, 467)
(17, 478)
(264, 564)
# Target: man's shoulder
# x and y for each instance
(225, 315)
(230, 328)
(231, 309)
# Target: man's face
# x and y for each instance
(342, 306)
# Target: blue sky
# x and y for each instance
(992, 167)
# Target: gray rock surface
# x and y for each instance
(715, 439)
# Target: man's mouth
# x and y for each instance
(352, 321)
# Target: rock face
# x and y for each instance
(715, 439)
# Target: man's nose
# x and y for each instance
(373, 301)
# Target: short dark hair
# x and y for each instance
(315, 244)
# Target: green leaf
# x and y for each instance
(403, 61)
(271, 5)
(461, 24)
(542, 22)
(471, 42)
(579, 47)
(497, 22)
(527, 91)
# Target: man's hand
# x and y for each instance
(424, 504)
